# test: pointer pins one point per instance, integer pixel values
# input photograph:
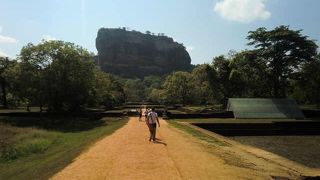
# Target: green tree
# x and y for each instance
(249, 73)
(308, 86)
(284, 51)
(157, 96)
(226, 86)
(12, 74)
(107, 90)
(179, 87)
(134, 90)
(205, 86)
(5, 65)
(58, 74)
(29, 83)
(152, 83)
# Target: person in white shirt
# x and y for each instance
(152, 121)
(146, 114)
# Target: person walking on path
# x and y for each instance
(146, 114)
(146, 119)
(140, 114)
(152, 121)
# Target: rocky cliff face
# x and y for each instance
(134, 54)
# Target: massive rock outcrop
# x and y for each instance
(135, 54)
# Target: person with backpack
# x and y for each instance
(152, 121)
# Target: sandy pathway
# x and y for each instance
(127, 154)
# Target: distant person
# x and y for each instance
(152, 121)
(140, 114)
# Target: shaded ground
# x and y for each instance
(127, 154)
(302, 149)
(285, 137)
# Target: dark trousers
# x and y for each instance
(153, 130)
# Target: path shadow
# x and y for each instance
(58, 123)
(311, 177)
(159, 141)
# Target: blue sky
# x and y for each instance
(207, 28)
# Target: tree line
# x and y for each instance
(62, 76)
(282, 63)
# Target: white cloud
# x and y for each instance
(3, 54)
(7, 39)
(244, 11)
(189, 48)
(48, 37)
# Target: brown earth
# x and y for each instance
(127, 154)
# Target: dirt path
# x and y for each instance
(127, 154)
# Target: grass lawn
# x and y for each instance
(175, 111)
(310, 107)
(202, 107)
(196, 133)
(303, 149)
(204, 120)
(230, 120)
(28, 152)
(20, 109)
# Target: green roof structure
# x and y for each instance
(264, 108)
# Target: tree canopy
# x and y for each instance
(179, 87)
(283, 51)
(61, 76)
